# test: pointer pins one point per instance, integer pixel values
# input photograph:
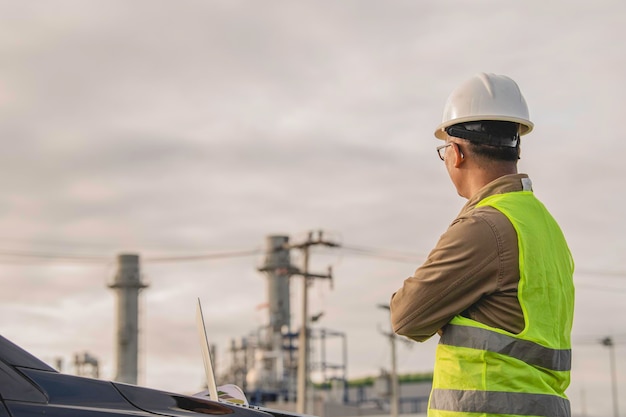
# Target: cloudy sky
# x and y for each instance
(179, 128)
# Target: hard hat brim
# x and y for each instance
(526, 126)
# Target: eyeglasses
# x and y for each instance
(441, 150)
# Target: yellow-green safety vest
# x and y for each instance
(482, 371)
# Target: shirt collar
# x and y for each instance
(505, 184)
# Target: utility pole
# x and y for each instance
(395, 391)
(608, 342)
(303, 405)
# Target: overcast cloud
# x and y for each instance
(174, 128)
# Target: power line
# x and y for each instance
(24, 257)
(393, 255)
(34, 257)
(46, 256)
(29, 258)
(202, 257)
(589, 340)
(613, 274)
(600, 287)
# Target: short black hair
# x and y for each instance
(498, 153)
(494, 139)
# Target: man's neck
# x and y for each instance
(481, 177)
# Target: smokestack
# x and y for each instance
(127, 285)
(278, 269)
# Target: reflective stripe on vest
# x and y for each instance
(493, 402)
(524, 350)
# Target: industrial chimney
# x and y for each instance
(127, 284)
(278, 269)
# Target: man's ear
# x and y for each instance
(459, 158)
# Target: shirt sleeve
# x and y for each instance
(462, 268)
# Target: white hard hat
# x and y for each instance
(486, 97)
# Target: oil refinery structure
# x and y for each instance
(274, 363)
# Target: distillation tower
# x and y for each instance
(265, 363)
(127, 285)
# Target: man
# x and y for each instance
(498, 286)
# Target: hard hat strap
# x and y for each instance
(482, 137)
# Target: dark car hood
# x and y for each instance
(91, 394)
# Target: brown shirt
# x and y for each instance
(473, 271)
